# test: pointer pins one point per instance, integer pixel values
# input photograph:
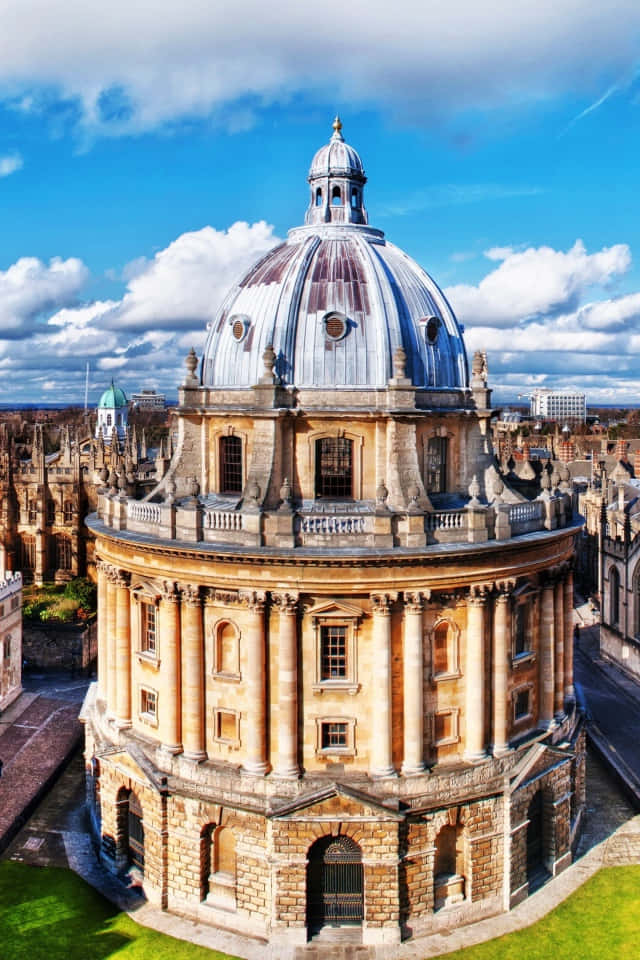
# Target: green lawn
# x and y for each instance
(51, 914)
(47, 913)
(600, 921)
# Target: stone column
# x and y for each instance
(193, 719)
(558, 651)
(287, 765)
(475, 676)
(501, 656)
(256, 761)
(169, 707)
(111, 641)
(101, 568)
(569, 690)
(381, 764)
(546, 683)
(123, 649)
(413, 760)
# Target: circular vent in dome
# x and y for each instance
(239, 327)
(335, 325)
(432, 328)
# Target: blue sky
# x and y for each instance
(138, 176)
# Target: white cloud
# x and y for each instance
(9, 163)
(536, 282)
(30, 287)
(197, 57)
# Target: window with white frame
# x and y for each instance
(335, 736)
(148, 705)
(336, 629)
(148, 628)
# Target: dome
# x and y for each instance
(113, 397)
(337, 158)
(335, 301)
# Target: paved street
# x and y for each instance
(612, 700)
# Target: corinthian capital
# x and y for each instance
(287, 603)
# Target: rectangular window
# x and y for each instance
(334, 468)
(230, 465)
(51, 512)
(1, 609)
(68, 511)
(226, 726)
(15, 603)
(334, 736)
(148, 703)
(445, 727)
(521, 631)
(148, 617)
(32, 512)
(7, 648)
(436, 472)
(333, 655)
(522, 704)
(63, 553)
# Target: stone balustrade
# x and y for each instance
(192, 521)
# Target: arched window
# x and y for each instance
(445, 650)
(219, 867)
(448, 870)
(318, 197)
(334, 468)
(63, 552)
(354, 197)
(614, 596)
(109, 420)
(227, 650)
(336, 197)
(230, 465)
(436, 472)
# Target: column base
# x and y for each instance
(500, 749)
(412, 769)
(287, 773)
(196, 756)
(477, 757)
(171, 748)
(256, 769)
(382, 772)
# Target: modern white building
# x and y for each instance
(149, 400)
(558, 404)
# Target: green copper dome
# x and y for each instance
(113, 397)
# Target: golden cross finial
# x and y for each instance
(337, 124)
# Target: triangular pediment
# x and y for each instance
(335, 608)
(540, 759)
(336, 801)
(133, 763)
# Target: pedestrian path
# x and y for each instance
(37, 736)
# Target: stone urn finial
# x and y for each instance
(191, 362)
(413, 493)
(170, 488)
(381, 494)
(399, 363)
(285, 495)
(194, 487)
(498, 489)
(545, 479)
(269, 361)
(474, 491)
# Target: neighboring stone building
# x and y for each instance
(44, 498)
(335, 673)
(10, 639)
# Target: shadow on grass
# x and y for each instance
(50, 914)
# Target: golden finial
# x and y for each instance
(337, 124)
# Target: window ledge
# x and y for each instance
(336, 752)
(227, 677)
(151, 659)
(223, 741)
(336, 686)
(149, 719)
(520, 658)
(523, 718)
(446, 742)
(438, 677)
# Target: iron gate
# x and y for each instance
(136, 832)
(535, 834)
(335, 882)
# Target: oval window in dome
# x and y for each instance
(432, 328)
(336, 326)
(239, 325)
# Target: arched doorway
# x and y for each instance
(536, 870)
(335, 894)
